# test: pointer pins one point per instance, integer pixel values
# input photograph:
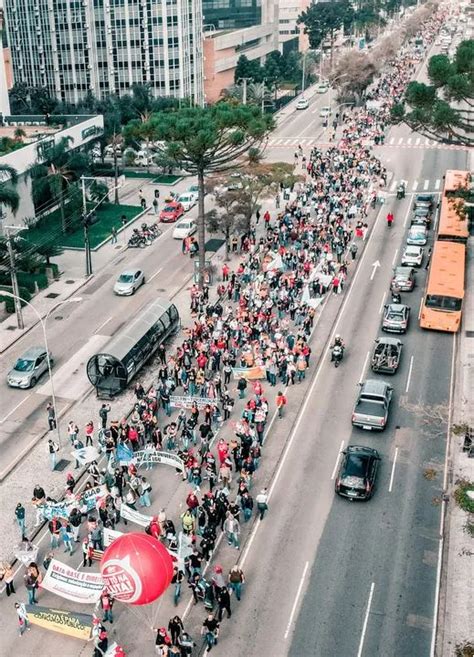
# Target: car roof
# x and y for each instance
(424, 197)
(413, 247)
(404, 272)
(130, 272)
(419, 228)
(33, 352)
(374, 386)
(386, 340)
(397, 307)
(361, 450)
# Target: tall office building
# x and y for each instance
(232, 14)
(72, 47)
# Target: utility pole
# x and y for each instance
(303, 73)
(86, 223)
(15, 288)
(263, 96)
(244, 90)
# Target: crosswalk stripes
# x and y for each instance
(426, 185)
(437, 183)
(401, 142)
(414, 186)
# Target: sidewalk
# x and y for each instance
(71, 263)
(456, 615)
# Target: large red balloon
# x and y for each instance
(136, 568)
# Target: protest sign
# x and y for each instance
(86, 455)
(250, 373)
(65, 622)
(124, 454)
(186, 401)
(151, 457)
(138, 518)
(75, 585)
(63, 509)
(110, 535)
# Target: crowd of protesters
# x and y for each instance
(238, 357)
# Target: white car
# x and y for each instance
(128, 282)
(184, 228)
(302, 104)
(322, 87)
(417, 236)
(412, 256)
(325, 112)
(187, 200)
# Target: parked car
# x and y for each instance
(302, 104)
(184, 228)
(187, 200)
(417, 236)
(403, 279)
(395, 318)
(325, 112)
(372, 405)
(424, 221)
(29, 368)
(128, 282)
(412, 256)
(423, 212)
(194, 189)
(387, 355)
(171, 212)
(357, 472)
(322, 87)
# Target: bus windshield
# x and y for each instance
(438, 302)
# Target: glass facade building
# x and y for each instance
(232, 14)
(72, 47)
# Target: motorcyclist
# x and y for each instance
(390, 219)
(338, 342)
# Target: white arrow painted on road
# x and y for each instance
(375, 266)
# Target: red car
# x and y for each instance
(171, 212)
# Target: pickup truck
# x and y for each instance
(386, 356)
(372, 405)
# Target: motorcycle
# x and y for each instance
(337, 354)
(137, 241)
(401, 191)
(396, 297)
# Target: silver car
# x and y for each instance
(29, 368)
(128, 282)
(412, 256)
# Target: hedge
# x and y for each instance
(9, 302)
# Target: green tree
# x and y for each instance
(9, 196)
(322, 20)
(436, 110)
(353, 73)
(206, 140)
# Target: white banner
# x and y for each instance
(186, 401)
(75, 585)
(26, 552)
(86, 455)
(134, 516)
(63, 509)
(110, 535)
(150, 457)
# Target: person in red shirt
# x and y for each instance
(281, 403)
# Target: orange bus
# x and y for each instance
(442, 306)
(454, 179)
(453, 224)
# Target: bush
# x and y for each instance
(462, 497)
(9, 302)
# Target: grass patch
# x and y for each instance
(161, 179)
(461, 495)
(108, 215)
(166, 179)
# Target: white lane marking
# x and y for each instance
(375, 266)
(341, 448)
(417, 141)
(99, 328)
(437, 183)
(400, 141)
(393, 470)
(155, 274)
(295, 603)
(363, 369)
(427, 141)
(405, 221)
(426, 185)
(392, 140)
(421, 305)
(366, 620)
(415, 185)
(287, 142)
(382, 303)
(309, 393)
(443, 502)
(409, 374)
(15, 408)
(409, 140)
(394, 257)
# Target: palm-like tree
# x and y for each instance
(9, 196)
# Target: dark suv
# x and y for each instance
(357, 472)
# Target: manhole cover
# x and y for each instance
(160, 289)
(59, 317)
(62, 465)
(52, 295)
(69, 282)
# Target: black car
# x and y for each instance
(424, 200)
(357, 472)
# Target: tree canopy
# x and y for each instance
(321, 20)
(441, 110)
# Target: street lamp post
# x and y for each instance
(45, 340)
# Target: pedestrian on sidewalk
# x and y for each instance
(6, 575)
(106, 604)
(175, 627)
(114, 235)
(66, 533)
(236, 580)
(262, 502)
(53, 448)
(31, 584)
(155, 205)
(246, 504)
(51, 416)
(281, 403)
(210, 631)
(23, 622)
(353, 250)
(241, 387)
(223, 600)
(103, 413)
(232, 530)
(54, 527)
(89, 433)
(20, 514)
